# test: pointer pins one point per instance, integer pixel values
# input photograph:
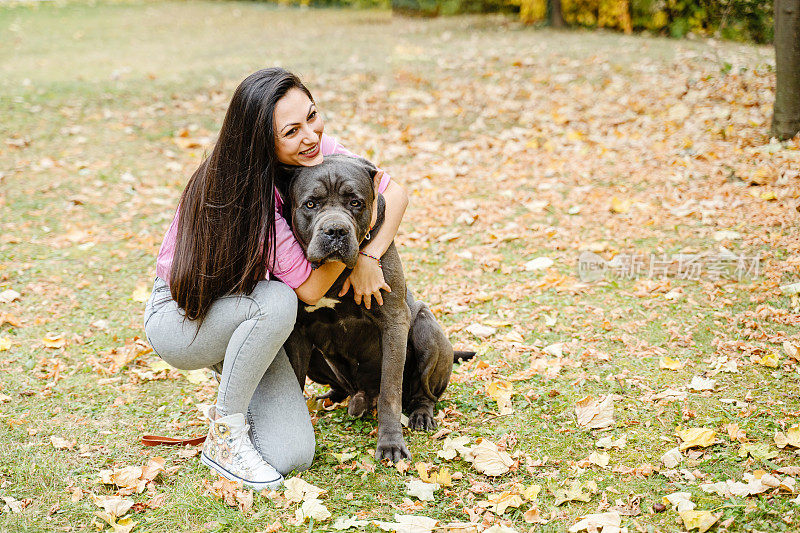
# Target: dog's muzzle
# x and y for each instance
(333, 239)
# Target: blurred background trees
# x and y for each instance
(740, 20)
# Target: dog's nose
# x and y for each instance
(335, 232)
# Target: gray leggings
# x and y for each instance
(245, 333)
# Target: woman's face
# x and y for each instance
(298, 130)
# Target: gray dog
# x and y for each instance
(396, 352)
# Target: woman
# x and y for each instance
(212, 304)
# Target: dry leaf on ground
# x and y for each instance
(700, 520)
(501, 392)
(487, 459)
(420, 489)
(312, 508)
(697, 437)
(297, 490)
(607, 522)
(790, 438)
(595, 414)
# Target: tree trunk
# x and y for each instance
(786, 111)
(556, 17)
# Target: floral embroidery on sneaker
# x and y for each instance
(229, 451)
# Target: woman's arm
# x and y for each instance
(367, 277)
(318, 282)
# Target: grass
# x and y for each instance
(94, 97)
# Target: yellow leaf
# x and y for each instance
(669, 363)
(771, 360)
(620, 206)
(501, 392)
(488, 459)
(576, 492)
(159, 365)
(701, 520)
(141, 293)
(312, 508)
(768, 195)
(599, 458)
(532, 493)
(53, 340)
(791, 438)
(595, 414)
(499, 503)
(197, 376)
(113, 505)
(702, 437)
(5, 344)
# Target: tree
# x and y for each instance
(786, 110)
(556, 18)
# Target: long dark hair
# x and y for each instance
(226, 225)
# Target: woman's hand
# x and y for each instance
(366, 279)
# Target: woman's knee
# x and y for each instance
(297, 457)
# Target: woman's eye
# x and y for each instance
(291, 131)
(312, 116)
(355, 203)
(311, 205)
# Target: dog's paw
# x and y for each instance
(392, 449)
(358, 405)
(421, 420)
(334, 395)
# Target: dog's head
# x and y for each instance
(331, 207)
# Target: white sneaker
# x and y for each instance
(229, 451)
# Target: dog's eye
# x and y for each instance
(311, 205)
(355, 203)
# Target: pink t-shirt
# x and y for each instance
(291, 265)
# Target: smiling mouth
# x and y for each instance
(311, 151)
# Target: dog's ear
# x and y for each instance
(366, 164)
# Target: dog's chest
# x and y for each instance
(341, 330)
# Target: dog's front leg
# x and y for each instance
(394, 337)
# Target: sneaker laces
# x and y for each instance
(245, 449)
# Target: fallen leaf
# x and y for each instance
(499, 503)
(479, 330)
(409, 524)
(8, 296)
(791, 438)
(608, 443)
(540, 263)
(420, 489)
(620, 205)
(61, 444)
(54, 340)
(531, 493)
(297, 490)
(700, 383)
(700, 520)
(141, 293)
(488, 459)
(595, 414)
(312, 508)
(681, 500)
(501, 392)
(5, 344)
(607, 522)
(576, 492)
(758, 451)
(115, 506)
(599, 458)
(772, 360)
(123, 525)
(668, 363)
(453, 446)
(702, 437)
(672, 458)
